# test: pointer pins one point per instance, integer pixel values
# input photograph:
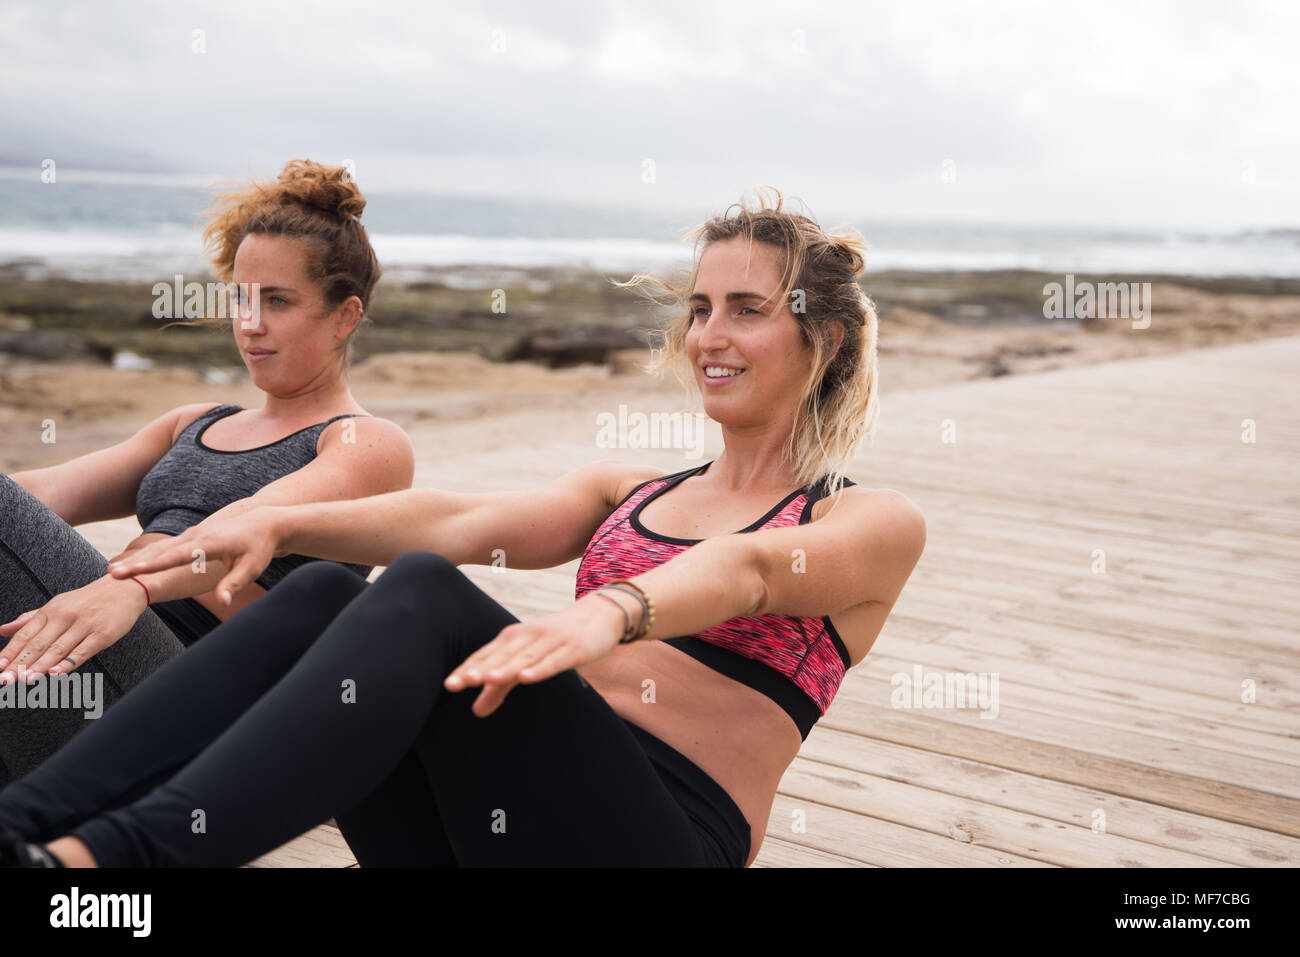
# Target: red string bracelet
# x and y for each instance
(148, 599)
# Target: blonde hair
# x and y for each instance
(838, 403)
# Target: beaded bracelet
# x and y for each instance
(627, 615)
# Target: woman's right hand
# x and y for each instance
(244, 543)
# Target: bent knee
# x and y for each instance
(321, 576)
(422, 566)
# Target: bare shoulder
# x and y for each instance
(883, 516)
(183, 415)
(378, 447)
(609, 480)
(368, 429)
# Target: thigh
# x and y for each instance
(398, 824)
(553, 777)
(42, 556)
(159, 727)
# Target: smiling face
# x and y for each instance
(744, 343)
(297, 340)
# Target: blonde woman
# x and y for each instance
(442, 731)
(300, 240)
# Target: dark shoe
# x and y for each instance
(16, 852)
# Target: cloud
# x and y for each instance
(1115, 113)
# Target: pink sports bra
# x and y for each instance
(798, 662)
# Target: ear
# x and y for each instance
(837, 336)
(349, 314)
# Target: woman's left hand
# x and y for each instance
(77, 624)
(531, 651)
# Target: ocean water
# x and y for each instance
(132, 228)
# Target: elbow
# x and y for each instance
(732, 564)
(31, 483)
(433, 513)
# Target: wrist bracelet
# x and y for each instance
(627, 615)
(148, 599)
(631, 634)
(647, 604)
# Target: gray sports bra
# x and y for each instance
(192, 481)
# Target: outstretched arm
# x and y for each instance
(373, 456)
(861, 552)
(102, 485)
(356, 458)
(532, 529)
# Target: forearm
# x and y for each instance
(184, 581)
(712, 582)
(368, 531)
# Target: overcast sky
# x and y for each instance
(1124, 115)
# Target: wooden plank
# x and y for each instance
(1186, 719)
(1139, 658)
(1130, 677)
(1052, 800)
(868, 839)
(777, 852)
(977, 823)
(1023, 723)
(320, 847)
(1133, 778)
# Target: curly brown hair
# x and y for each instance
(319, 206)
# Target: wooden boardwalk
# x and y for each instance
(1102, 542)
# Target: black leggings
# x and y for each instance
(324, 698)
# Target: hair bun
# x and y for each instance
(327, 188)
(852, 247)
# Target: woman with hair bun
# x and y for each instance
(299, 242)
(648, 723)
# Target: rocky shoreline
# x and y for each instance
(562, 318)
(91, 356)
